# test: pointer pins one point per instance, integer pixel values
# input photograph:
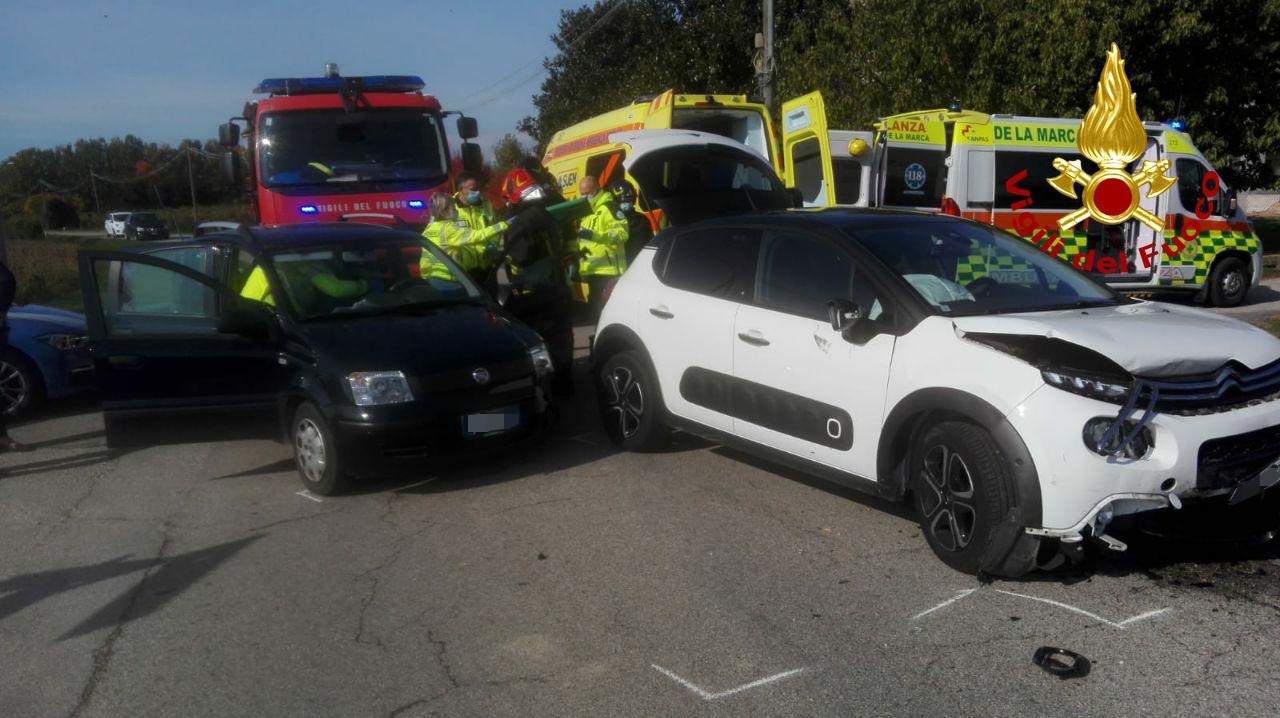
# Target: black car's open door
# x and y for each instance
(178, 356)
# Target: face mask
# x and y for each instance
(473, 197)
(625, 206)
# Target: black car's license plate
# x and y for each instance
(492, 421)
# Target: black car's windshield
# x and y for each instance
(370, 278)
(691, 183)
(316, 147)
(145, 219)
(963, 269)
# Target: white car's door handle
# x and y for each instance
(754, 338)
(661, 312)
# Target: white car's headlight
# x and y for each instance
(541, 358)
(374, 388)
(1093, 387)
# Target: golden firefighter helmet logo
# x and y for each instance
(1112, 136)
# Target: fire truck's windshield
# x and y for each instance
(332, 147)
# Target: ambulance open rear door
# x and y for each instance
(806, 150)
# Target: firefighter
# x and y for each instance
(639, 231)
(601, 245)
(537, 289)
(472, 206)
(473, 248)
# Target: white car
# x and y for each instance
(1020, 410)
(114, 224)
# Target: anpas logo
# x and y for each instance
(1112, 136)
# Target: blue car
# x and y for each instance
(47, 358)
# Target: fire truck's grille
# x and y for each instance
(1224, 462)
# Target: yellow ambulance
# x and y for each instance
(585, 148)
(997, 169)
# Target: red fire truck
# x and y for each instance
(334, 148)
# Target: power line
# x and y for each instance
(600, 21)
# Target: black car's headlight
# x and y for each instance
(1110, 389)
(64, 342)
(375, 388)
(541, 358)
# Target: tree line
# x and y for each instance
(1215, 64)
(101, 175)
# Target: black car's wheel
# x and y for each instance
(963, 489)
(315, 453)
(630, 403)
(21, 386)
(1229, 282)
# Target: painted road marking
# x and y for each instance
(1094, 616)
(308, 495)
(706, 695)
(1088, 614)
(959, 595)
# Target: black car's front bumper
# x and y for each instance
(394, 440)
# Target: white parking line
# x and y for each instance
(308, 495)
(706, 695)
(945, 603)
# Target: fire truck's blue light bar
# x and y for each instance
(415, 204)
(323, 85)
(1177, 125)
(308, 209)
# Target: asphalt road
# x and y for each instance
(570, 580)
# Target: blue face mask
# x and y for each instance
(473, 197)
(625, 206)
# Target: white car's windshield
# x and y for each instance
(963, 269)
(371, 279)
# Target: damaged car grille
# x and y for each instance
(1234, 386)
(1226, 461)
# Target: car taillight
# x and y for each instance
(949, 206)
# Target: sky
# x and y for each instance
(165, 71)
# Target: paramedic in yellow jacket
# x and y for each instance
(472, 206)
(473, 249)
(601, 245)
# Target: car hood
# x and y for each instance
(49, 315)
(447, 339)
(1150, 339)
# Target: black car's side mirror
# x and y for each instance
(843, 315)
(247, 318)
(797, 198)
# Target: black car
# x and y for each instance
(330, 336)
(145, 226)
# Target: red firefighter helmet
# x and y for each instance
(516, 184)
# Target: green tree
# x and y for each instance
(1214, 63)
(508, 152)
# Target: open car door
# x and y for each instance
(178, 356)
(806, 150)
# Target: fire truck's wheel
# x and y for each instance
(1229, 282)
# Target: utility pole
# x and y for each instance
(766, 56)
(97, 208)
(191, 177)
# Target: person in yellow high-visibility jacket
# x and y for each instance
(473, 208)
(256, 287)
(601, 244)
(471, 248)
